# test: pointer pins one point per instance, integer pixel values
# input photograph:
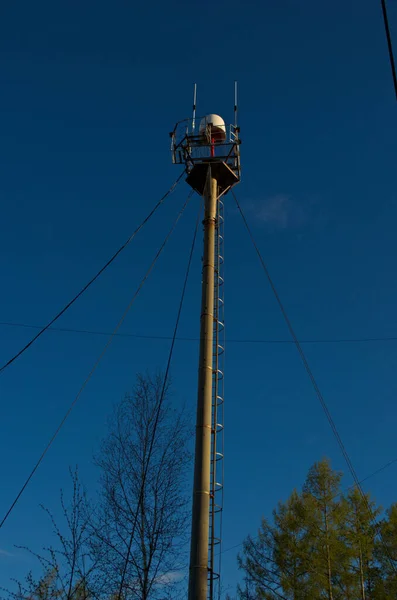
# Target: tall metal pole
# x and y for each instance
(198, 572)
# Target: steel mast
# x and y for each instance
(212, 161)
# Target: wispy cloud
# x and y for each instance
(5, 553)
(170, 577)
(281, 212)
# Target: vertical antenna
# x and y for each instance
(235, 103)
(194, 107)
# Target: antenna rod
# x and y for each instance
(235, 103)
(194, 107)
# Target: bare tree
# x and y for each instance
(141, 521)
(67, 569)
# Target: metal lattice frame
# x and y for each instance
(190, 148)
(217, 442)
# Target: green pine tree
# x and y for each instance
(359, 535)
(386, 556)
(322, 546)
(324, 517)
(262, 577)
(290, 547)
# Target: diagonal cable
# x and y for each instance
(351, 487)
(81, 292)
(316, 387)
(91, 373)
(142, 488)
(389, 45)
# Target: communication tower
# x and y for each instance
(211, 156)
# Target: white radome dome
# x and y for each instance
(218, 130)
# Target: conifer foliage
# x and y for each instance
(322, 544)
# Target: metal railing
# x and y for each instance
(189, 146)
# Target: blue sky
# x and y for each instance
(89, 93)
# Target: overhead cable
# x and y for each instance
(91, 373)
(385, 466)
(196, 339)
(164, 387)
(314, 384)
(389, 45)
(81, 292)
